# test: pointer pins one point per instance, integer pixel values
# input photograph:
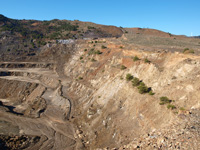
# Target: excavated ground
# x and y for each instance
(79, 98)
(34, 113)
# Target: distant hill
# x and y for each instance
(197, 36)
(57, 29)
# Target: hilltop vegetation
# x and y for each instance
(54, 29)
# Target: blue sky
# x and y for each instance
(174, 16)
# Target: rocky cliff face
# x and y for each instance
(113, 107)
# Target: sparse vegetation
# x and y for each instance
(182, 108)
(80, 78)
(151, 92)
(93, 60)
(123, 67)
(136, 58)
(170, 106)
(121, 78)
(103, 47)
(147, 61)
(191, 51)
(98, 52)
(170, 34)
(129, 77)
(143, 88)
(164, 100)
(121, 47)
(135, 81)
(92, 51)
(89, 27)
(187, 50)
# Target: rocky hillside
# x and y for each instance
(131, 89)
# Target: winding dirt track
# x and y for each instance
(55, 131)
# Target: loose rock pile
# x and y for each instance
(182, 135)
(17, 142)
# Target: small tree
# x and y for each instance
(103, 47)
(135, 82)
(98, 52)
(129, 77)
(135, 58)
(170, 106)
(123, 67)
(186, 49)
(147, 61)
(93, 60)
(164, 100)
(151, 92)
(143, 88)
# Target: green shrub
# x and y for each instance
(98, 52)
(164, 100)
(81, 57)
(121, 47)
(143, 88)
(93, 60)
(170, 106)
(135, 58)
(89, 27)
(91, 52)
(147, 61)
(103, 47)
(123, 67)
(135, 82)
(33, 45)
(187, 50)
(129, 77)
(151, 92)
(85, 50)
(80, 78)
(182, 108)
(191, 51)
